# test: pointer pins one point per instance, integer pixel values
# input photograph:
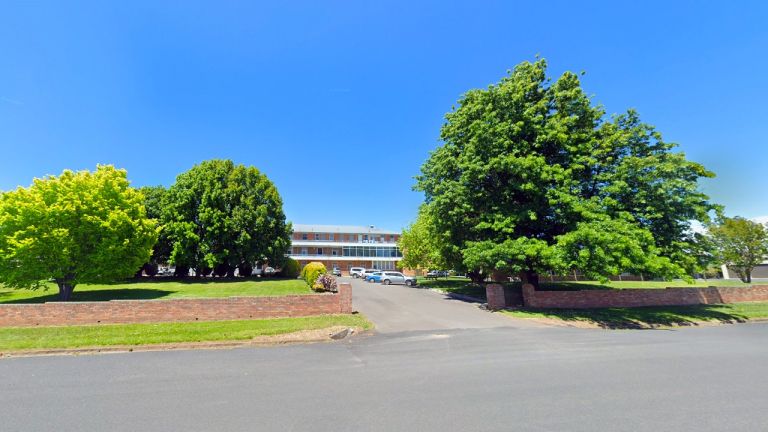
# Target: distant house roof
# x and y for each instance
(348, 229)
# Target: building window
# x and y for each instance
(304, 251)
(334, 252)
(319, 251)
(317, 236)
(330, 237)
(304, 236)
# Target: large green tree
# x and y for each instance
(225, 216)
(741, 244)
(79, 227)
(533, 177)
(161, 253)
(421, 244)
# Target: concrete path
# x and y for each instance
(398, 308)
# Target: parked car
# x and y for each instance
(374, 277)
(391, 277)
(268, 271)
(356, 272)
(336, 271)
(367, 272)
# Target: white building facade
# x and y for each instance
(344, 247)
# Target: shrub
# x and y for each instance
(311, 272)
(290, 269)
(326, 282)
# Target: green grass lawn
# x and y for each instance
(26, 338)
(463, 286)
(648, 317)
(458, 285)
(162, 289)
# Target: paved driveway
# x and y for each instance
(398, 308)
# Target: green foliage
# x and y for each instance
(311, 272)
(421, 244)
(532, 177)
(740, 244)
(291, 269)
(153, 202)
(219, 213)
(79, 227)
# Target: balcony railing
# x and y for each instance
(384, 242)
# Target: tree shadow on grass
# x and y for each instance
(645, 317)
(574, 286)
(197, 281)
(455, 288)
(91, 295)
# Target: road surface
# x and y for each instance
(476, 373)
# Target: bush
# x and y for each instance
(291, 269)
(326, 282)
(311, 272)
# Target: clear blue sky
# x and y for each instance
(339, 103)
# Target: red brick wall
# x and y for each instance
(150, 311)
(642, 297)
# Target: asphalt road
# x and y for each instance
(451, 377)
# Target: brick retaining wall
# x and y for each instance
(192, 309)
(641, 297)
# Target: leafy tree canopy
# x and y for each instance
(533, 177)
(740, 244)
(422, 246)
(79, 227)
(153, 201)
(222, 214)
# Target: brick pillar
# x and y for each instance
(345, 298)
(529, 295)
(495, 295)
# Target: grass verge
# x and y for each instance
(29, 338)
(650, 317)
(161, 289)
(463, 286)
(457, 285)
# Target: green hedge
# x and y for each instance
(311, 272)
(291, 268)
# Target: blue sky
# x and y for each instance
(340, 103)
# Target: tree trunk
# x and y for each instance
(529, 277)
(65, 290)
(476, 276)
(231, 272)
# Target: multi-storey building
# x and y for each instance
(344, 247)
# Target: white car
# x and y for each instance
(391, 277)
(356, 272)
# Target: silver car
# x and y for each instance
(392, 277)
